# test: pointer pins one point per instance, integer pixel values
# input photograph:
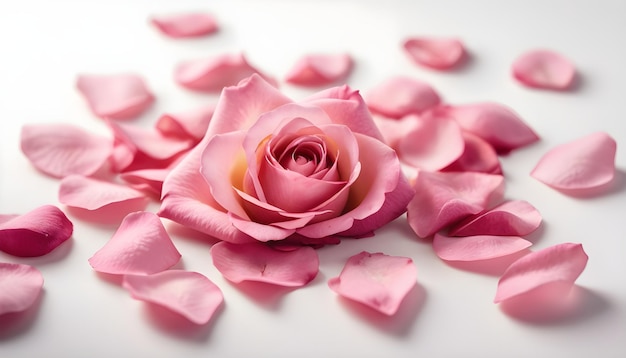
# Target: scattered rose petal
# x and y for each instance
(193, 24)
(116, 96)
(20, 285)
(150, 180)
(258, 262)
(140, 246)
(479, 247)
(478, 156)
(544, 69)
(511, 218)
(400, 96)
(187, 293)
(377, 280)
(35, 233)
(393, 130)
(320, 69)
(92, 194)
(561, 263)
(61, 149)
(585, 163)
(190, 124)
(436, 53)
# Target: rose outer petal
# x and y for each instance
(544, 69)
(92, 194)
(436, 53)
(320, 69)
(400, 96)
(511, 218)
(193, 24)
(479, 247)
(20, 285)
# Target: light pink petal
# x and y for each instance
(544, 69)
(320, 69)
(20, 285)
(61, 149)
(187, 293)
(585, 163)
(116, 96)
(479, 247)
(400, 96)
(478, 156)
(140, 246)
(442, 199)
(561, 263)
(258, 262)
(182, 25)
(150, 180)
(92, 194)
(511, 218)
(393, 130)
(35, 233)
(190, 124)
(436, 53)
(377, 280)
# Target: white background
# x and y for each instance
(45, 44)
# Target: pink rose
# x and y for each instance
(271, 169)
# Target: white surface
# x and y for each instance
(44, 44)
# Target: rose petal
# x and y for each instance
(190, 294)
(190, 124)
(20, 285)
(377, 280)
(193, 24)
(561, 263)
(150, 180)
(320, 69)
(92, 194)
(479, 247)
(584, 163)
(258, 262)
(60, 149)
(35, 233)
(544, 69)
(436, 53)
(478, 156)
(140, 246)
(393, 130)
(511, 218)
(400, 96)
(116, 96)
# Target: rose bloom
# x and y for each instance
(270, 169)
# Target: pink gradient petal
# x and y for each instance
(92, 194)
(479, 247)
(561, 263)
(140, 246)
(150, 180)
(400, 96)
(20, 286)
(377, 280)
(187, 293)
(478, 156)
(442, 199)
(192, 24)
(258, 262)
(189, 124)
(511, 218)
(544, 69)
(437, 53)
(584, 163)
(320, 69)
(393, 130)
(61, 149)
(35, 233)
(115, 96)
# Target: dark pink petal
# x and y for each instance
(191, 24)
(544, 69)
(377, 280)
(585, 163)
(20, 285)
(140, 246)
(400, 96)
(187, 293)
(61, 149)
(561, 263)
(258, 262)
(437, 53)
(35, 233)
(117, 96)
(442, 199)
(478, 156)
(92, 194)
(190, 124)
(150, 180)
(320, 69)
(479, 247)
(511, 218)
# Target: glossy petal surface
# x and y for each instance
(511, 218)
(479, 247)
(92, 194)
(400, 96)
(544, 69)
(20, 285)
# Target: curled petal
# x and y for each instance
(400, 96)
(561, 263)
(258, 262)
(187, 293)
(92, 194)
(544, 69)
(190, 124)
(193, 24)
(20, 285)
(478, 156)
(320, 69)
(140, 246)
(35, 233)
(377, 280)
(150, 180)
(585, 163)
(511, 218)
(117, 96)
(479, 247)
(436, 53)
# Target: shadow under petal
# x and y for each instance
(617, 185)
(13, 324)
(175, 324)
(264, 294)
